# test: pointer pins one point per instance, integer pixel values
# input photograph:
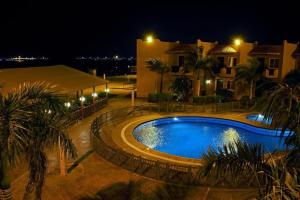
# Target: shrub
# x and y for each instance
(159, 97)
(226, 94)
(207, 99)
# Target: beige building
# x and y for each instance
(278, 60)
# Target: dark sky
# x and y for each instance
(73, 28)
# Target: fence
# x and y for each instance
(165, 171)
(86, 111)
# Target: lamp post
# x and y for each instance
(82, 100)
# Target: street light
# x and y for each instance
(94, 95)
(149, 39)
(68, 104)
(237, 41)
(82, 99)
(106, 90)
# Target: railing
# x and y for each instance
(165, 171)
(86, 111)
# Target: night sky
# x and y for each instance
(79, 28)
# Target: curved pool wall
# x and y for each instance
(259, 118)
(190, 137)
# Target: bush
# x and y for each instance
(207, 99)
(159, 97)
(226, 94)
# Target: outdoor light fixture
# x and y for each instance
(149, 39)
(82, 99)
(68, 104)
(106, 90)
(208, 81)
(237, 41)
(48, 111)
(94, 94)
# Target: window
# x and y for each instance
(181, 61)
(228, 70)
(274, 63)
(174, 69)
(232, 61)
(229, 84)
(271, 72)
(221, 61)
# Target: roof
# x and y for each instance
(66, 79)
(266, 49)
(182, 48)
(297, 51)
(223, 49)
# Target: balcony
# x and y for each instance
(271, 73)
(227, 72)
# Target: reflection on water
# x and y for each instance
(150, 136)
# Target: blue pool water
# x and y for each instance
(190, 137)
(260, 118)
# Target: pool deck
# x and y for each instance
(120, 136)
(94, 172)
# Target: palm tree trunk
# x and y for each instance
(251, 91)
(161, 82)
(5, 193)
(197, 87)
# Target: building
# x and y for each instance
(66, 79)
(278, 60)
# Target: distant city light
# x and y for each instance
(237, 41)
(149, 39)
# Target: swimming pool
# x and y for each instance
(260, 118)
(190, 137)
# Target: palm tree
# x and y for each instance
(240, 162)
(158, 66)
(20, 122)
(251, 73)
(282, 104)
(201, 64)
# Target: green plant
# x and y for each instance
(251, 73)
(207, 99)
(31, 120)
(225, 94)
(160, 97)
(158, 66)
(181, 87)
(239, 163)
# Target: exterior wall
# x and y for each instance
(207, 46)
(244, 50)
(148, 81)
(288, 62)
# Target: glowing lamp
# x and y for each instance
(68, 104)
(237, 42)
(82, 99)
(149, 39)
(208, 82)
(94, 94)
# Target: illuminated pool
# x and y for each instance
(190, 137)
(260, 118)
